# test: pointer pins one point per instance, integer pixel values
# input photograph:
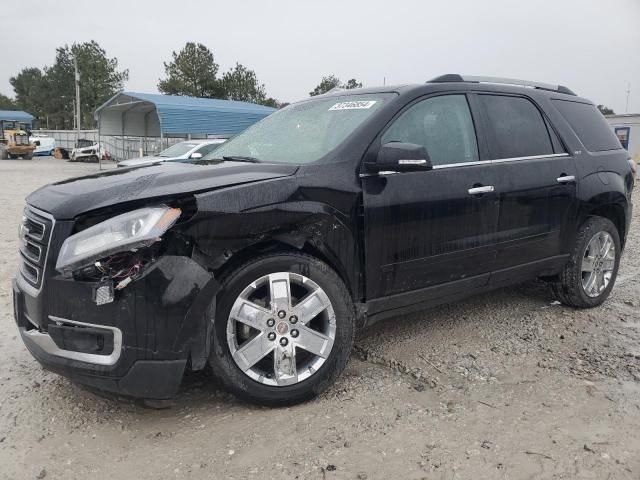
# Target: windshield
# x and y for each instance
(178, 149)
(302, 132)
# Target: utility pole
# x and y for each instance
(77, 77)
(626, 109)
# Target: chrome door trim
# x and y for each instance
(500, 160)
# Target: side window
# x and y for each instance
(207, 148)
(442, 124)
(591, 127)
(516, 127)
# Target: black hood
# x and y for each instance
(69, 198)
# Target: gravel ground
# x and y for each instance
(504, 385)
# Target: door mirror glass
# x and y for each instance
(196, 156)
(402, 157)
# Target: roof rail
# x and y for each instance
(454, 77)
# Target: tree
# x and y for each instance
(327, 83)
(242, 84)
(606, 110)
(192, 72)
(51, 92)
(30, 89)
(330, 82)
(353, 83)
(6, 103)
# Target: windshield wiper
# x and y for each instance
(237, 158)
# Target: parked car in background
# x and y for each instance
(180, 152)
(87, 151)
(264, 258)
(44, 145)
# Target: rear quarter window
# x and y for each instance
(589, 125)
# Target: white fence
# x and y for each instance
(118, 148)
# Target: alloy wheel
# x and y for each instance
(598, 264)
(281, 329)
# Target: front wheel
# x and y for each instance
(591, 271)
(283, 330)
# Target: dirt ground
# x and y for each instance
(504, 385)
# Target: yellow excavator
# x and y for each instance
(14, 140)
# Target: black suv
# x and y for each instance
(265, 257)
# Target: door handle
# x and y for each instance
(566, 179)
(481, 190)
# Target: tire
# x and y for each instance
(570, 288)
(262, 382)
(28, 156)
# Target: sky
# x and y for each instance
(591, 46)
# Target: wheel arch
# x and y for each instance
(604, 194)
(288, 244)
(615, 212)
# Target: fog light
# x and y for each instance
(103, 293)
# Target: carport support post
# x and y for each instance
(124, 113)
(99, 145)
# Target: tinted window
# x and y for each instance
(590, 126)
(443, 125)
(516, 126)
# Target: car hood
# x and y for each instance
(135, 162)
(69, 198)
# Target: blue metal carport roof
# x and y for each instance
(127, 113)
(16, 116)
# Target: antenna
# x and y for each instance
(626, 108)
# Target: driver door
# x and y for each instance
(432, 230)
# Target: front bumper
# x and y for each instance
(139, 345)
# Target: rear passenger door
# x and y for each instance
(536, 184)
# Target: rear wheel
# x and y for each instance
(27, 156)
(590, 274)
(283, 330)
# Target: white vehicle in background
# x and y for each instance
(87, 151)
(44, 145)
(180, 152)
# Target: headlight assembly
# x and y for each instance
(128, 231)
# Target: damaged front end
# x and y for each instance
(119, 304)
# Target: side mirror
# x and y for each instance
(196, 156)
(401, 157)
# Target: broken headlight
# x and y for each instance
(125, 232)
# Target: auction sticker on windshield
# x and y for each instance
(357, 105)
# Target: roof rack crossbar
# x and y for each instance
(453, 77)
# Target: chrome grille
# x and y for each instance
(35, 235)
